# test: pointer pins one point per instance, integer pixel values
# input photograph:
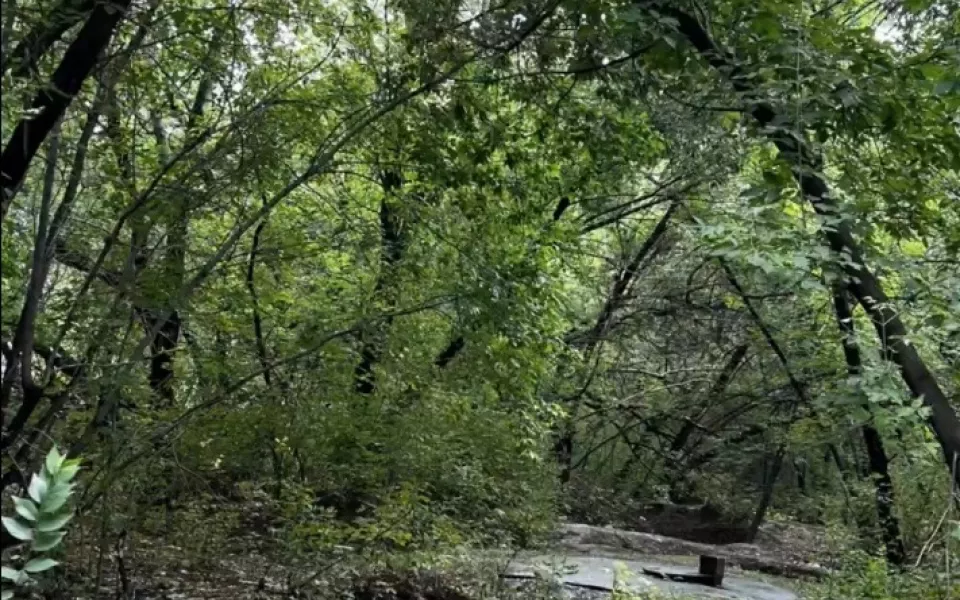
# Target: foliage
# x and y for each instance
(865, 576)
(413, 276)
(41, 518)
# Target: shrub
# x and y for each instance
(40, 519)
(867, 577)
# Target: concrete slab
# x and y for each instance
(599, 572)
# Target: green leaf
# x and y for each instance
(10, 574)
(944, 88)
(633, 15)
(54, 461)
(916, 6)
(68, 470)
(6, 594)
(39, 565)
(17, 529)
(46, 541)
(56, 498)
(53, 523)
(26, 508)
(38, 487)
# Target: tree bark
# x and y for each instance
(55, 361)
(23, 339)
(450, 352)
(861, 281)
(261, 344)
(164, 345)
(23, 59)
(766, 497)
(889, 525)
(392, 244)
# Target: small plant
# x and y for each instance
(40, 519)
(622, 590)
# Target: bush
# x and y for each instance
(867, 577)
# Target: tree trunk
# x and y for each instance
(162, 349)
(450, 352)
(51, 101)
(392, 244)
(723, 380)
(23, 59)
(679, 441)
(769, 485)
(563, 447)
(889, 525)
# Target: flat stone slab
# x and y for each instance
(746, 556)
(598, 572)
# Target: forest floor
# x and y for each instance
(249, 565)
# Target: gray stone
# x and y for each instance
(598, 573)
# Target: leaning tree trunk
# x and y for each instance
(770, 476)
(679, 442)
(861, 281)
(889, 526)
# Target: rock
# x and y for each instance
(746, 556)
(602, 573)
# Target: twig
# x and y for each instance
(929, 542)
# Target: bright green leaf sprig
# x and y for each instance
(41, 516)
